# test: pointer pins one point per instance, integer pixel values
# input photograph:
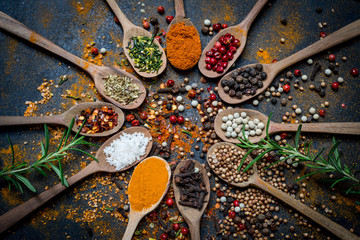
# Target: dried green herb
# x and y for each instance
(121, 88)
(145, 54)
(187, 132)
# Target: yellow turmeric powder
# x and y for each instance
(148, 183)
(183, 46)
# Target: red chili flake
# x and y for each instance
(209, 89)
(269, 159)
(322, 112)
(116, 20)
(241, 227)
(322, 34)
(274, 60)
(135, 123)
(283, 135)
(220, 193)
(97, 120)
(159, 137)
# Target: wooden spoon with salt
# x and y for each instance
(98, 73)
(131, 30)
(255, 181)
(240, 32)
(180, 18)
(340, 36)
(65, 118)
(191, 215)
(135, 216)
(13, 216)
(350, 128)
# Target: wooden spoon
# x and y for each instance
(191, 215)
(240, 32)
(134, 216)
(65, 118)
(96, 72)
(351, 128)
(131, 30)
(255, 181)
(180, 18)
(344, 34)
(13, 216)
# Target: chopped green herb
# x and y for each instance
(63, 79)
(73, 97)
(109, 209)
(138, 232)
(119, 63)
(187, 132)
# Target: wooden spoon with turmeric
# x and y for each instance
(148, 185)
(187, 58)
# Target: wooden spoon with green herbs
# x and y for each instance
(98, 73)
(65, 118)
(131, 31)
(9, 219)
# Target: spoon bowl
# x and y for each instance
(10, 218)
(191, 215)
(180, 18)
(350, 128)
(240, 32)
(340, 36)
(131, 30)
(65, 118)
(255, 181)
(96, 72)
(135, 216)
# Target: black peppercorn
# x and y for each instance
(322, 93)
(252, 72)
(231, 83)
(239, 79)
(260, 84)
(283, 21)
(169, 106)
(154, 21)
(259, 67)
(245, 74)
(224, 83)
(297, 81)
(247, 69)
(232, 93)
(205, 30)
(226, 89)
(274, 101)
(263, 75)
(242, 86)
(318, 9)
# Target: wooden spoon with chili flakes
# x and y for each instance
(239, 32)
(98, 73)
(180, 18)
(65, 118)
(131, 30)
(16, 214)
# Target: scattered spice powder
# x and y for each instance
(183, 46)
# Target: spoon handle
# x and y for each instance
(125, 22)
(194, 229)
(246, 23)
(20, 120)
(179, 8)
(9, 24)
(7, 220)
(134, 220)
(352, 128)
(344, 34)
(323, 221)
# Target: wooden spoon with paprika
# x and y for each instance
(98, 73)
(180, 18)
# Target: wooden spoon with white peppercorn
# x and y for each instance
(351, 128)
(344, 34)
(254, 180)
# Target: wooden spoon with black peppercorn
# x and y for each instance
(254, 180)
(350, 128)
(98, 73)
(344, 34)
(240, 32)
(65, 118)
(131, 30)
(10, 218)
(192, 215)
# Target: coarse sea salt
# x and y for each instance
(125, 150)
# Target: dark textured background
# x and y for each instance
(23, 68)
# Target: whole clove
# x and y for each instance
(191, 186)
(117, 182)
(122, 212)
(316, 68)
(217, 226)
(137, 116)
(163, 225)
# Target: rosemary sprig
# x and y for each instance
(330, 163)
(14, 173)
